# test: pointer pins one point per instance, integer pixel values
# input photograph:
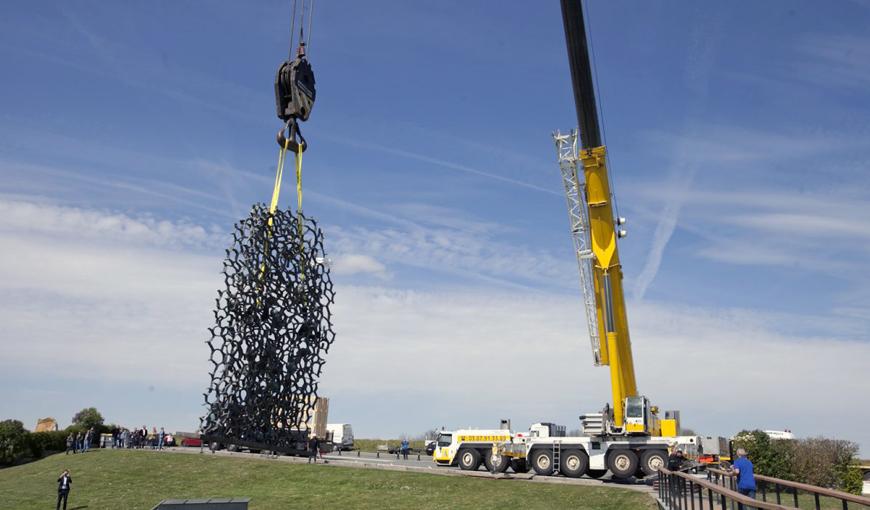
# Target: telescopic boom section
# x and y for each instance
(607, 271)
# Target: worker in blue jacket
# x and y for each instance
(405, 447)
(745, 478)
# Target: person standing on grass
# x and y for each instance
(313, 447)
(64, 482)
(160, 439)
(70, 443)
(745, 477)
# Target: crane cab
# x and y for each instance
(642, 418)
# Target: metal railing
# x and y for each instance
(682, 491)
(768, 486)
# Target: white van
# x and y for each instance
(342, 435)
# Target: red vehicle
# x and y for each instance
(191, 441)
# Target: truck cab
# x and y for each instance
(342, 435)
(469, 448)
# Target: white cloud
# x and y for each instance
(455, 251)
(76, 306)
(50, 220)
(349, 264)
(486, 354)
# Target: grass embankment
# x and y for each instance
(113, 479)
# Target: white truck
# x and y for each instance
(342, 435)
(547, 450)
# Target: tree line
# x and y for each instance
(17, 444)
(819, 461)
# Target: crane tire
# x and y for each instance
(542, 462)
(574, 463)
(469, 459)
(622, 463)
(652, 460)
(504, 462)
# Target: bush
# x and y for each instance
(44, 442)
(13, 441)
(815, 461)
(853, 481)
(771, 458)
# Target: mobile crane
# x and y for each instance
(595, 230)
(627, 438)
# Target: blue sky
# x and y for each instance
(133, 135)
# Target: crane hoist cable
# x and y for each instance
(294, 98)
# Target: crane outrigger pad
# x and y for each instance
(273, 328)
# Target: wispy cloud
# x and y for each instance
(841, 59)
(450, 165)
(684, 161)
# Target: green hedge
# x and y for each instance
(13, 441)
(41, 443)
(17, 444)
(818, 461)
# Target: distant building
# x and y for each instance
(780, 434)
(46, 425)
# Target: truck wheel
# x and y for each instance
(652, 460)
(232, 448)
(469, 459)
(503, 464)
(622, 463)
(574, 463)
(542, 462)
(596, 473)
(519, 466)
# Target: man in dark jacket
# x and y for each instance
(70, 443)
(313, 446)
(675, 460)
(64, 482)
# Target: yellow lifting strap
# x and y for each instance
(276, 192)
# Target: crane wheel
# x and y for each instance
(574, 463)
(596, 473)
(622, 463)
(542, 462)
(501, 467)
(652, 460)
(519, 466)
(469, 459)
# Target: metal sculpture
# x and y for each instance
(272, 330)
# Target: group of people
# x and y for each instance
(139, 438)
(80, 442)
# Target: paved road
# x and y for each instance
(386, 459)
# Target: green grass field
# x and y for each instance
(111, 479)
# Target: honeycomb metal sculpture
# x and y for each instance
(272, 330)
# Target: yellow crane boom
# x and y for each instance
(595, 230)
